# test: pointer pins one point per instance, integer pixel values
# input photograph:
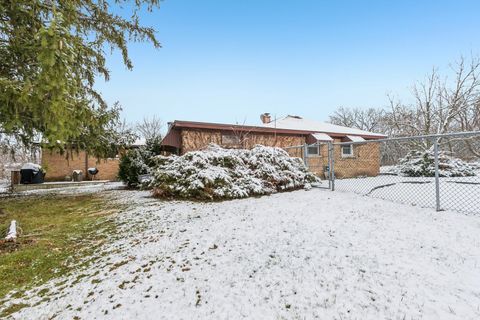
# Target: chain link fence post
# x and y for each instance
(437, 175)
(331, 155)
(329, 164)
(305, 154)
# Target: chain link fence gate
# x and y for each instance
(317, 157)
(436, 171)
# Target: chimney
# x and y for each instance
(265, 117)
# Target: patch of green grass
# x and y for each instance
(56, 234)
(14, 308)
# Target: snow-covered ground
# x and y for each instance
(297, 255)
(90, 188)
(460, 193)
(4, 185)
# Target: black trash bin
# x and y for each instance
(39, 177)
(26, 176)
(92, 172)
(31, 173)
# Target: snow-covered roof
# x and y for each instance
(298, 123)
(139, 142)
(322, 136)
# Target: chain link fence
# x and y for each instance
(434, 171)
(437, 171)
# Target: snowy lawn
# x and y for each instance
(296, 255)
(93, 188)
(458, 193)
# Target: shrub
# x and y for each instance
(152, 145)
(422, 164)
(136, 164)
(217, 173)
(132, 165)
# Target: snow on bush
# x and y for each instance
(422, 164)
(217, 173)
(475, 165)
(391, 170)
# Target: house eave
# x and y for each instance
(180, 124)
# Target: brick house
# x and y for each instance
(350, 160)
(184, 136)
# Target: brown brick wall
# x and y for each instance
(365, 161)
(199, 139)
(107, 168)
(279, 140)
(58, 166)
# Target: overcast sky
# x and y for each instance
(229, 61)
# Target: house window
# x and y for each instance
(347, 150)
(230, 140)
(312, 150)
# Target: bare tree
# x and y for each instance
(241, 134)
(150, 128)
(441, 106)
(343, 117)
(469, 120)
(370, 119)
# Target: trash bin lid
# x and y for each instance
(32, 166)
(92, 170)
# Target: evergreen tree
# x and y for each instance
(51, 52)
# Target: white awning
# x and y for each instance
(355, 138)
(322, 136)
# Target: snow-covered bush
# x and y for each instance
(422, 164)
(390, 170)
(217, 173)
(475, 165)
